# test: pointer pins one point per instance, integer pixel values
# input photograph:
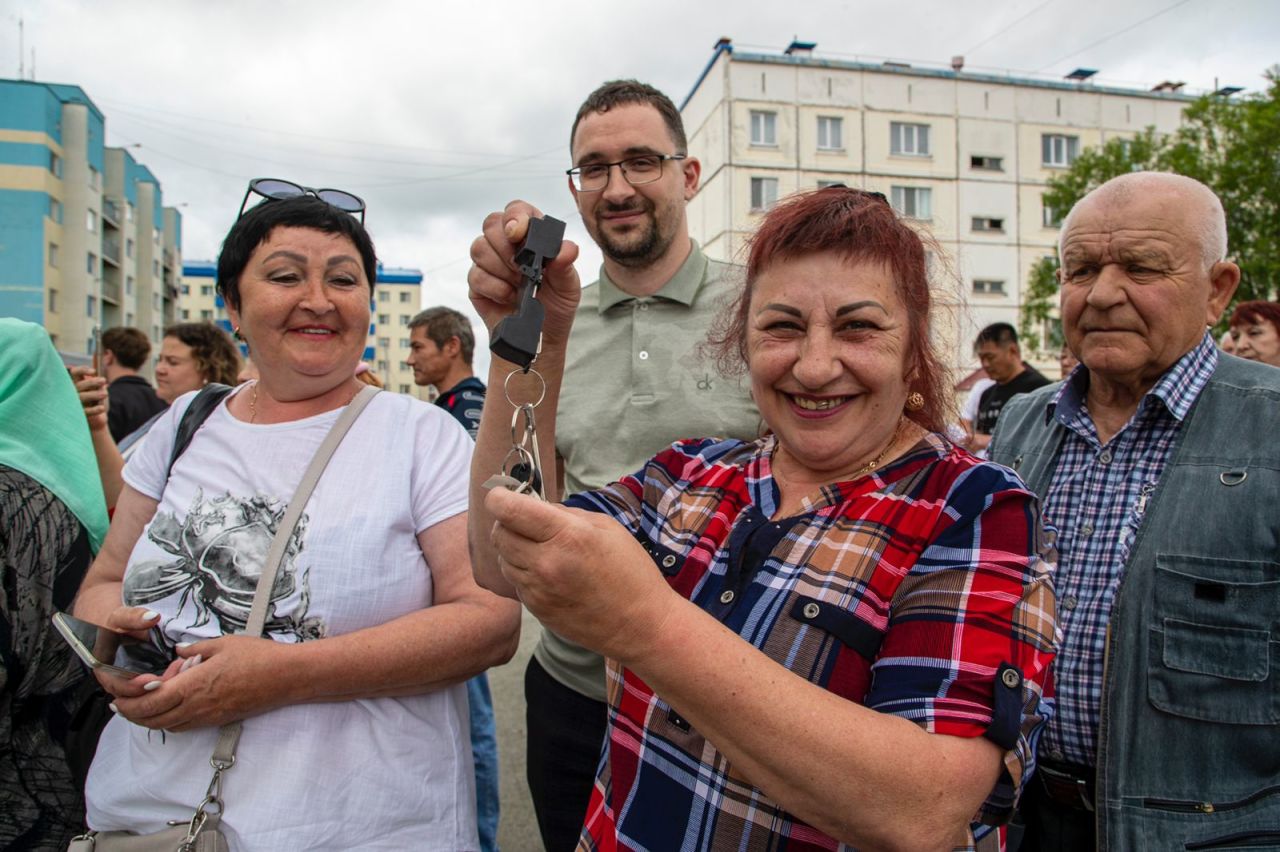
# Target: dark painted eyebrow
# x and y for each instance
(865, 303)
(339, 259)
(782, 309)
(288, 255)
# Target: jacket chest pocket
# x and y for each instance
(1215, 640)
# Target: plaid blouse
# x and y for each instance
(921, 590)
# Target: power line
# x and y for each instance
(1005, 29)
(1114, 34)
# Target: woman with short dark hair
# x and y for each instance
(355, 715)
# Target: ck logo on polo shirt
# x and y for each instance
(704, 383)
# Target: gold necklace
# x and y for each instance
(253, 403)
(875, 462)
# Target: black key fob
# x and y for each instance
(518, 337)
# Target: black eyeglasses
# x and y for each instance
(637, 171)
(275, 189)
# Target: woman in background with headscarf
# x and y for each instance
(52, 520)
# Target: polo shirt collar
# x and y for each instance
(683, 286)
(1177, 389)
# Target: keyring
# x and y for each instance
(542, 392)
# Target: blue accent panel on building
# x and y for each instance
(225, 325)
(94, 149)
(200, 269)
(177, 228)
(371, 327)
(130, 179)
(24, 154)
(397, 275)
(218, 302)
(22, 247)
(368, 354)
(32, 107)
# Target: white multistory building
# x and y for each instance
(966, 154)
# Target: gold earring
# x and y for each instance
(915, 401)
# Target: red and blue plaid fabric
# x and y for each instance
(1095, 501)
(906, 591)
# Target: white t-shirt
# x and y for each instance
(970, 410)
(378, 773)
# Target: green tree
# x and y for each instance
(1231, 145)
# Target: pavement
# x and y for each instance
(517, 826)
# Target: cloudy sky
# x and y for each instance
(438, 112)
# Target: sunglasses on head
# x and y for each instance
(275, 189)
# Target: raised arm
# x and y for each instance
(92, 389)
(494, 281)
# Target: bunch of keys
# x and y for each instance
(518, 338)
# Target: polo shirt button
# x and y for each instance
(726, 597)
(1086, 530)
(811, 610)
(1070, 602)
(644, 356)
(1011, 678)
(1105, 458)
(644, 306)
(668, 561)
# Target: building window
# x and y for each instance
(186, 314)
(384, 319)
(404, 389)
(55, 164)
(405, 343)
(206, 315)
(764, 128)
(764, 193)
(90, 306)
(1058, 151)
(986, 223)
(155, 301)
(128, 207)
(987, 164)
(128, 285)
(53, 301)
(206, 289)
(908, 139)
(912, 201)
(384, 342)
(155, 268)
(128, 248)
(1048, 216)
(90, 221)
(95, 178)
(404, 296)
(384, 296)
(53, 255)
(988, 287)
(382, 366)
(830, 133)
(55, 210)
(404, 320)
(823, 184)
(90, 263)
(128, 319)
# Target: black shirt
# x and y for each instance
(464, 401)
(994, 398)
(131, 402)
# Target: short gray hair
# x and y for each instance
(1211, 218)
(443, 323)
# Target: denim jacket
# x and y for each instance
(1189, 737)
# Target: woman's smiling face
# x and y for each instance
(827, 349)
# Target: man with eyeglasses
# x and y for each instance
(634, 382)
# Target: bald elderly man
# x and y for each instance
(1158, 461)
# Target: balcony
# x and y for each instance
(168, 257)
(170, 292)
(111, 249)
(110, 285)
(111, 212)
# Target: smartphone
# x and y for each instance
(103, 649)
(97, 350)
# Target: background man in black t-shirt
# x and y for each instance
(131, 401)
(998, 350)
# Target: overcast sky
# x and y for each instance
(438, 112)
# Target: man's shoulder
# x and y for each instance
(1245, 375)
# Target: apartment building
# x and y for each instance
(965, 154)
(397, 296)
(85, 239)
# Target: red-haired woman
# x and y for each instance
(1255, 328)
(838, 633)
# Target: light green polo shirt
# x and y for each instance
(634, 383)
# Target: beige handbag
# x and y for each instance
(201, 833)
